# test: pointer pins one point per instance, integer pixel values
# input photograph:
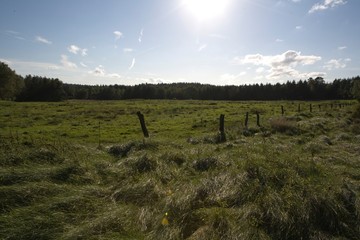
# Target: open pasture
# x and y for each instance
(82, 170)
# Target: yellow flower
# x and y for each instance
(165, 220)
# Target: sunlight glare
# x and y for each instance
(206, 9)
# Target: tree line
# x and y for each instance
(35, 88)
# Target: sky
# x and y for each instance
(220, 42)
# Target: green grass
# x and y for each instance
(295, 177)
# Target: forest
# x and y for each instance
(37, 88)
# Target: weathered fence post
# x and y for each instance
(246, 119)
(142, 123)
(99, 135)
(310, 107)
(258, 119)
(282, 110)
(319, 107)
(222, 128)
(299, 109)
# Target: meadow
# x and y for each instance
(83, 170)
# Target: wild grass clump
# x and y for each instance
(356, 113)
(141, 194)
(284, 125)
(142, 164)
(121, 150)
(205, 164)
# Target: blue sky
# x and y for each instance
(222, 42)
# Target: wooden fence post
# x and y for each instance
(282, 110)
(258, 119)
(319, 107)
(310, 107)
(99, 135)
(246, 119)
(142, 123)
(222, 128)
(299, 109)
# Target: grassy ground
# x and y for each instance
(82, 170)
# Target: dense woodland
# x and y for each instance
(35, 88)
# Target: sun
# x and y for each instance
(205, 10)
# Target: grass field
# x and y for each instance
(82, 170)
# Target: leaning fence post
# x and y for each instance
(246, 119)
(222, 128)
(258, 119)
(282, 110)
(142, 123)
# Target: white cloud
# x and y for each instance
(202, 47)
(66, 63)
(336, 63)
(298, 27)
(342, 48)
(83, 65)
(141, 35)
(279, 40)
(326, 4)
(84, 52)
(296, 1)
(42, 40)
(99, 71)
(127, 50)
(280, 65)
(260, 70)
(75, 50)
(118, 35)
(5, 61)
(132, 64)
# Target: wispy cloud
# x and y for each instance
(278, 40)
(336, 63)
(202, 47)
(118, 35)
(282, 65)
(75, 50)
(342, 48)
(326, 5)
(67, 63)
(83, 65)
(127, 50)
(132, 64)
(298, 27)
(14, 34)
(141, 35)
(42, 40)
